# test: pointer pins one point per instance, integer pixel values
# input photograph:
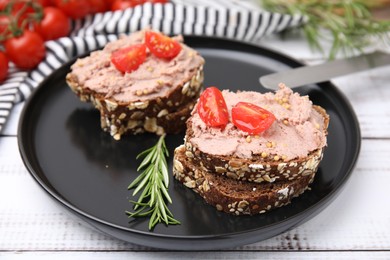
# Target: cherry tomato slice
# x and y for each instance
(162, 46)
(251, 118)
(130, 58)
(212, 108)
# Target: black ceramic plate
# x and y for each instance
(88, 172)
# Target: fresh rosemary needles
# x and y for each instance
(153, 181)
(349, 22)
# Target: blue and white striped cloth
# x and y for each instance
(234, 19)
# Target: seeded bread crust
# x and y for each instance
(236, 197)
(172, 123)
(118, 117)
(257, 169)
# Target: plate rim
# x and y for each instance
(270, 53)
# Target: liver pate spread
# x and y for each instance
(297, 131)
(154, 78)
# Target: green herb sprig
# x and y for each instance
(153, 181)
(349, 22)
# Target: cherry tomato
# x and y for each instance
(130, 58)
(74, 8)
(3, 4)
(26, 51)
(45, 3)
(98, 6)
(55, 24)
(158, 1)
(162, 46)
(108, 3)
(212, 108)
(124, 4)
(3, 66)
(251, 118)
(4, 27)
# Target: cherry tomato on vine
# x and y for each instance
(130, 58)
(4, 27)
(26, 50)
(55, 24)
(251, 118)
(158, 1)
(212, 108)
(124, 4)
(98, 6)
(3, 66)
(162, 46)
(74, 8)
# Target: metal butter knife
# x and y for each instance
(326, 71)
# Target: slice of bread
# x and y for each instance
(288, 150)
(258, 168)
(246, 174)
(236, 197)
(159, 87)
(118, 118)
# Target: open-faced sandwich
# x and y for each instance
(247, 152)
(144, 82)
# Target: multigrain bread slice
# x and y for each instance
(120, 118)
(236, 197)
(291, 149)
(165, 122)
(259, 168)
(157, 88)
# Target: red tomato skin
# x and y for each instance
(26, 51)
(98, 6)
(212, 108)
(3, 66)
(45, 3)
(74, 9)
(162, 46)
(124, 4)
(158, 1)
(251, 118)
(4, 30)
(55, 24)
(130, 58)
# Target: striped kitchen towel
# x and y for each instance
(234, 19)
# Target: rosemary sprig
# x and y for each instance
(349, 22)
(153, 181)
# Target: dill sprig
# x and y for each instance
(349, 22)
(153, 181)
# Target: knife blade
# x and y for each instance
(325, 71)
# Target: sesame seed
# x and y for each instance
(248, 139)
(276, 158)
(264, 154)
(285, 121)
(269, 144)
(160, 82)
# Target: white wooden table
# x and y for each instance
(355, 226)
